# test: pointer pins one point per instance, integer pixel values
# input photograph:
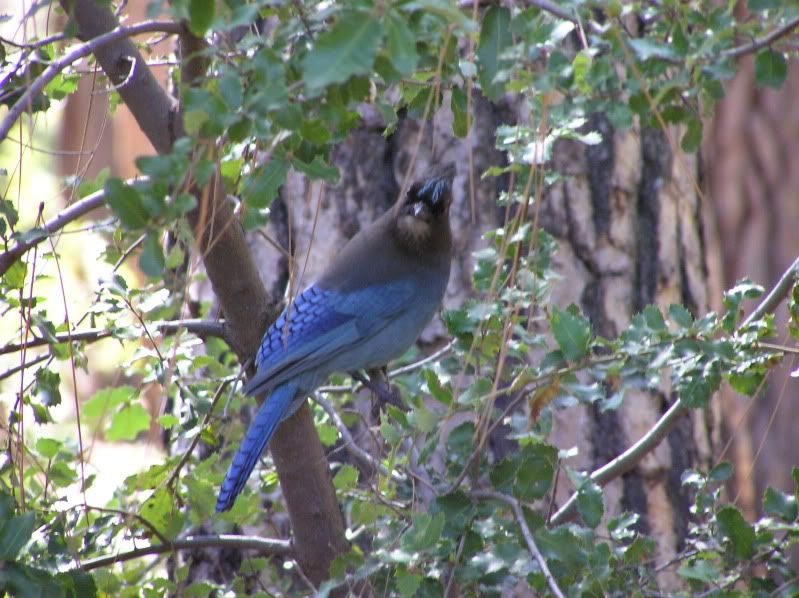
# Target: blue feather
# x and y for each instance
(260, 431)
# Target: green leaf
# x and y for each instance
(721, 472)
(347, 49)
(9, 212)
(582, 66)
(407, 583)
(262, 188)
(346, 478)
(733, 525)
(693, 135)
(680, 316)
(400, 43)
(230, 89)
(126, 203)
(318, 170)
(438, 391)
(561, 544)
(77, 584)
(761, 5)
(201, 15)
(460, 116)
(315, 130)
(495, 38)
(151, 258)
(14, 534)
(168, 421)
(590, 504)
(646, 48)
(61, 474)
(128, 422)
(162, 513)
(105, 400)
(572, 333)
(14, 277)
(424, 533)
(701, 570)
(48, 447)
(327, 434)
(780, 504)
(694, 390)
(770, 68)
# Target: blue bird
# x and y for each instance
(367, 308)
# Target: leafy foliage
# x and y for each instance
(287, 80)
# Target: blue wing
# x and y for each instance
(317, 326)
(320, 324)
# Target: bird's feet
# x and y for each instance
(383, 393)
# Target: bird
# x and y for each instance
(367, 308)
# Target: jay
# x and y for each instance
(367, 308)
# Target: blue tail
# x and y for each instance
(271, 413)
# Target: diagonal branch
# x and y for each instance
(35, 236)
(764, 41)
(518, 514)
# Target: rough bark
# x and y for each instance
(630, 226)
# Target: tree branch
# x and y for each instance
(764, 41)
(266, 546)
(366, 460)
(90, 47)
(633, 455)
(201, 328)
(518, 514)
(72, 212)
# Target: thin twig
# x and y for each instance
(518, 514)
(201, 328)
(352, 388)
(350, 445)
(268, 546)
(195, 441)
(85, 49)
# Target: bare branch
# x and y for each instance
(266, 546)
(90, 47)
(518, 514)
(201, 328)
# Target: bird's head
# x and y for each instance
(423, 214)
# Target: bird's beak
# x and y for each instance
(418, 208)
